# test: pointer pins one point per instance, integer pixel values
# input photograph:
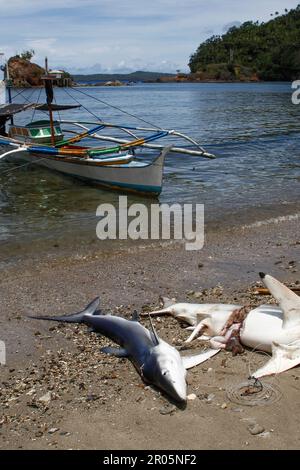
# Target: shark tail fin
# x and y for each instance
(167, 303)
(73, 317)
(288, 301)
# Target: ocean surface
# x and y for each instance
(253, 129)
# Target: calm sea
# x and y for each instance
(253, 129)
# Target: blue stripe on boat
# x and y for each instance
(114, 184)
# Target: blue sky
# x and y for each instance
(90, 36)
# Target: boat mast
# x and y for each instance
(8, 83)
(49, 94)
(2, 81)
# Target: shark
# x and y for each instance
(268, 328)
(157, 362)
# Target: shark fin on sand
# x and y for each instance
(195, 360)
(288, 301)
(284, 357)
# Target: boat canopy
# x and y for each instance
(9, 109)
(56, 107)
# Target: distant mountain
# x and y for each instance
(132, 77)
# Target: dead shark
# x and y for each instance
(273, 329)
(191, 313)
(278, 331)
(156, 361)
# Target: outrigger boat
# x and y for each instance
(116, 167)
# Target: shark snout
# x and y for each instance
(174, 386)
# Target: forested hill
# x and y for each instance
(134, 76)
(269, 50)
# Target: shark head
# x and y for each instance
(164, 368)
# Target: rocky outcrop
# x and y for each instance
(24, 73)
(113, 83)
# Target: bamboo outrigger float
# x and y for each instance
(114, 167)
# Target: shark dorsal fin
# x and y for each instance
(135, 316)
(91, 309)
(153, 333)
(288, 301)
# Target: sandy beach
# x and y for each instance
(59, 391)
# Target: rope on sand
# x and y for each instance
(254, 393)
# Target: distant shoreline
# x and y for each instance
(194, 82)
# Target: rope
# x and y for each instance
(25, 98)
(78, 102)
(254, 393)
(58, 109)
(28, 101)
(34, 109)
(21, 166)
(20, 93)
(117, 108)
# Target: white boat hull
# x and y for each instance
(131, 177)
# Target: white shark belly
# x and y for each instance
(262, 326)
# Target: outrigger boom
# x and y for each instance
(114, 167)
(200, 153)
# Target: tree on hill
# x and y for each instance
(271, 49)
(26, 55)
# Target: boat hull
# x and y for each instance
(135, 177)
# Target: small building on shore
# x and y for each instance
(62, 78)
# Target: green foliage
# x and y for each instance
(26, 55)
(271, 49)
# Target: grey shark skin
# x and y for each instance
(157, 362)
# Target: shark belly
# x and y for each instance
(262, 326)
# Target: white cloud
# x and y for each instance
(108, 35)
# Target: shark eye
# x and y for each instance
(165, 372)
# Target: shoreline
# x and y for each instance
(99, 401)
(87, 84)
(62, 244)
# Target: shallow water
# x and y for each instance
(253, 129)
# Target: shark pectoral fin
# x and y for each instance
(118, 352)
(284, 357)
(288, 301)
(196, 331)
(192, 361)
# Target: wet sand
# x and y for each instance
(92, 401)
